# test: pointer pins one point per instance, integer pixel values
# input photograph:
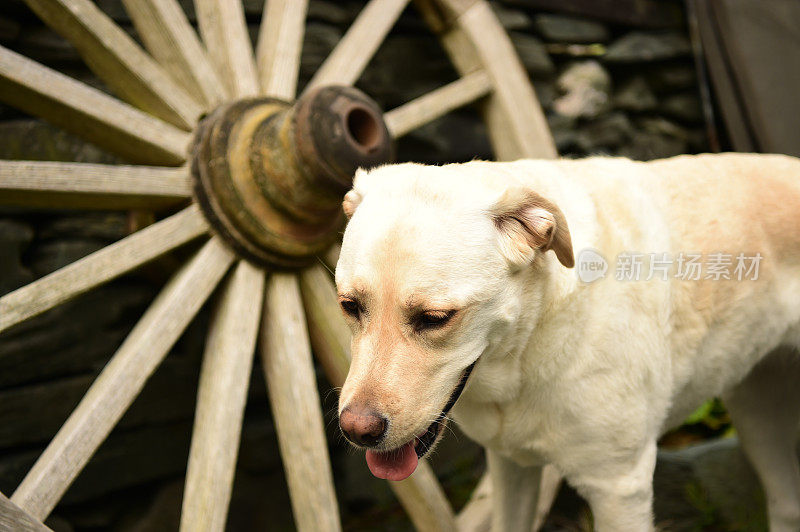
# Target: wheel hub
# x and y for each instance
(270, 176)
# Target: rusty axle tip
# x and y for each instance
(339, 129)
(270, 176)
(363, 131)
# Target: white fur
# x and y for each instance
(583, 376)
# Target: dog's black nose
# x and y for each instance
(362, 425)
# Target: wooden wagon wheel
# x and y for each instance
(261, 178)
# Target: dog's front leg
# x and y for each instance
(620, 493)
(515, 493)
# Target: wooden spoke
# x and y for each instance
(118, 60)
(78, 108)
(92, 186)
(331, 257)
(431, 106)
(548, 490)
(425, 501)
(122, 379)
(292, 388)
(224, 32)
(280, 41)
(101, 266)
(330, 335)
(474, 39)
(171, 40)
(12, 517)
(420, 494)
(353, 52)
(221, 399)
(476, 516)
(522, 113)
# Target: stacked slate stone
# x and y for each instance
(607, 88)
(612, 89)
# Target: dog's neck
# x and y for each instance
(504, 371)
(499, 375)
(544, 289)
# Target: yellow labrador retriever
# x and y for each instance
(584, 307)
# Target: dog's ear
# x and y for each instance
(353, 198)
(528, 223)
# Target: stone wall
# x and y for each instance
(607, 88)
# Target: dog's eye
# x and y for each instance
(350, 307)
(433, 319)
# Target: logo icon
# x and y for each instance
(591, 265)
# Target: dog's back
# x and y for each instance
(740, 210)
(743, 211)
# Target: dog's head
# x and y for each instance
(431, 274)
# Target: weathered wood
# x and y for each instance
(280, 41)
(221, 399)
(122, 379)
(331, 257)
(116, 59)
(92, 186)
(426, 108)
(13, 518)
(425, 501)
(90, 113)
(351, 55)
(292, 388)
(329, 333)
(171, 40)
(420, 494)
(441, 15)
(548, 490)
(101, 266)
(474, 39)
(513, 116)
(224, 32)
(476, 516)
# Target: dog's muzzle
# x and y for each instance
(368, 428)
(426, 440)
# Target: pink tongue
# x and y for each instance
(394, 465)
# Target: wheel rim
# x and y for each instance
(167, 88)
